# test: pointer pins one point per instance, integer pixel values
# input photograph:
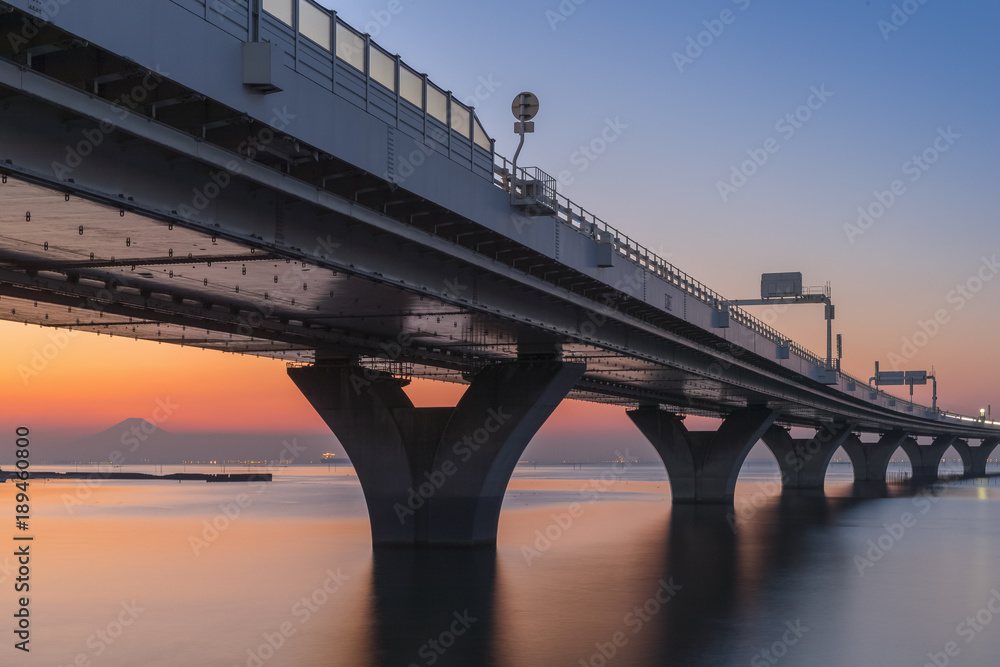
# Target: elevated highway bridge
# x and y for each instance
(258, 177)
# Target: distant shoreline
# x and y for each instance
(178, 476)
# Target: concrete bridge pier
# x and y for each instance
(975, 458)
(871, 460)
(703, 465)
(965, 453)
(928, 458)
(436, 476)
(804, 461)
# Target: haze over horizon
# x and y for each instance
(137, 441)
(916, 284)
(268, 177)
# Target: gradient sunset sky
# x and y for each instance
(694, 89)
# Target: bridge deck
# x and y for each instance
(211, 214)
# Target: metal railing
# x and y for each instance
(817, 291)
(584, 222)
(351, 64)
(974, 420)
(325, 29)
(533, 183)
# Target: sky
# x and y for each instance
(854, 141)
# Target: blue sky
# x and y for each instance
(898, 287)
(892, 94)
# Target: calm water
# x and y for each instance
(135, 575)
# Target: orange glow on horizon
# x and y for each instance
(61, 379)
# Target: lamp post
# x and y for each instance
(524, 107)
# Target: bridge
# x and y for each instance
(258, 177)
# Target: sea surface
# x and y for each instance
(594, 566)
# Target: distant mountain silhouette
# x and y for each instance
(127, 424)
(138, 441)
(135, 441)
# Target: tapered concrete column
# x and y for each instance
(703, 465)
(928, 459)
(964, 453)
(436, 476)
(871, 460)
(803, 461)
(978, 456)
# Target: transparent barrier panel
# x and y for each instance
(350, 47)
(382, 68)
(279, 9)
(481, 138)
(437, 104)
(411, 87)
(459, 119)
(314, 23)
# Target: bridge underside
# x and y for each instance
(187, 222)
(137, 207)
(69, 261)
(74, 259)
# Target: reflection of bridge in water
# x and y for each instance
(274, 183)
(728, 581)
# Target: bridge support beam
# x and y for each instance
(436, 476)
(803, 461)
(871, 460)
(978, 456)
(965, 453)
(925, 467)
(703, 465)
